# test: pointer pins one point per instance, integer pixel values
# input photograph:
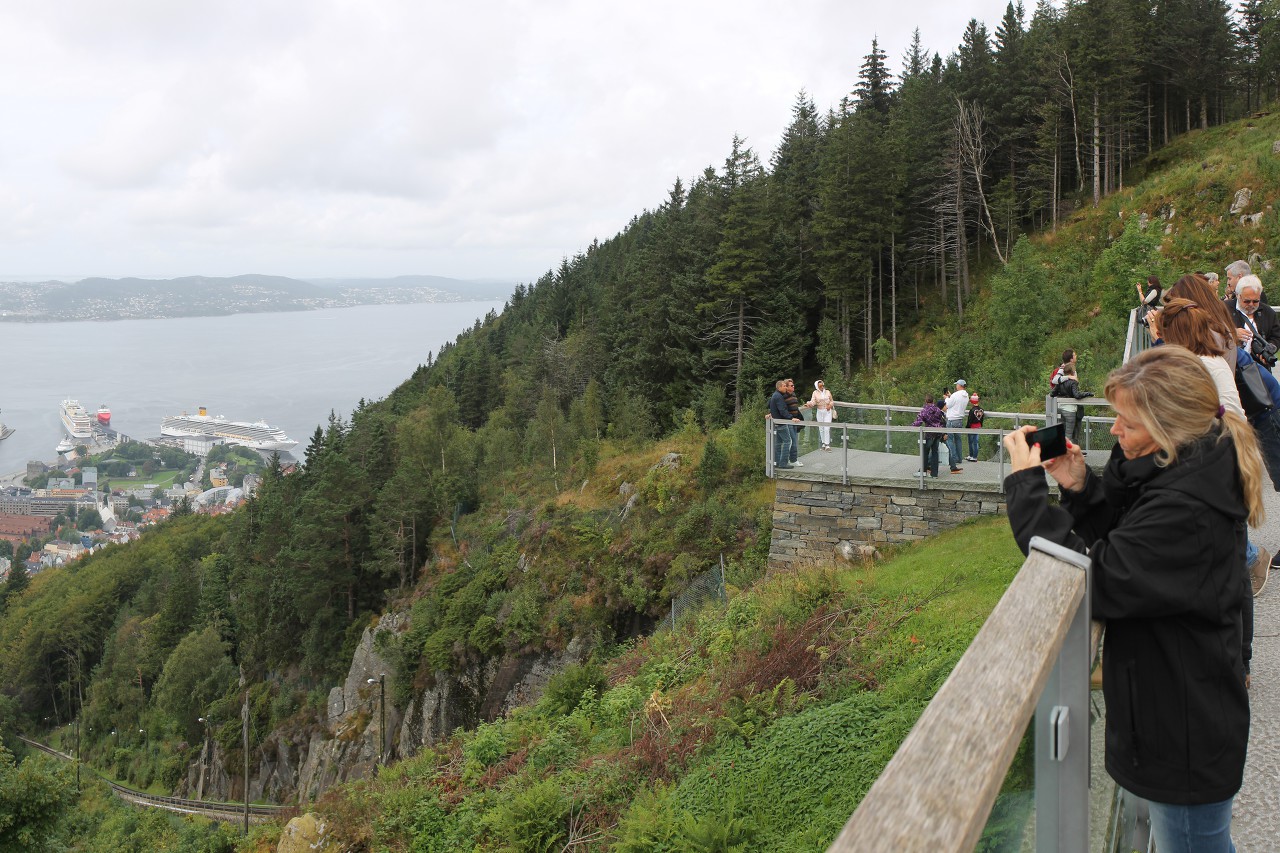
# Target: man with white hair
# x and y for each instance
(1255, 320)
(1236, 270)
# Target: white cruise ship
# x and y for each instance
(259, 436)
(75, 420)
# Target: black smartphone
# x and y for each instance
(1052, 441)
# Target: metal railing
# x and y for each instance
(938, 790)
(901, 440)
(229, 812)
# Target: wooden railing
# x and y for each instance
(1033, 653)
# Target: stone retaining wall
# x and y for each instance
(811, 518)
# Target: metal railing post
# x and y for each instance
(769, 446)
(1062, 731)
(844, 439)
(888, 434)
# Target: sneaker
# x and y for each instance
(795, 464)
(918, 474)
(971, 459)
(1260, 570)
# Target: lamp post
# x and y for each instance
(382, 716)
(204, 764)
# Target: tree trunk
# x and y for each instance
(1097, 153)
(737, 373)
(893, 295)
(1204, 110)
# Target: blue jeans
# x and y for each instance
(1192, 829)
(929, 454)
(795, 444)
(784, 436)
(973, 445)
(954, 425)
(1267, 428)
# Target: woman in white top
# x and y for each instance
(824, 405)
(1188, 324)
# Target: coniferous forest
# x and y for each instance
(967, 213)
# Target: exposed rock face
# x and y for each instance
(297, 765)
(1275, 147)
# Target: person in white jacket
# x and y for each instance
(957, 402)
(824, 407)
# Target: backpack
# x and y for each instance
(1054, 378)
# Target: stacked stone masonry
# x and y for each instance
(811, 518)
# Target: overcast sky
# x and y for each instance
(335, 138)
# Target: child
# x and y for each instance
(930, 416)
(974, 421)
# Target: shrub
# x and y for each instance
(533, 820)
(565, 689)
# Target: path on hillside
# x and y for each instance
(1256, 816)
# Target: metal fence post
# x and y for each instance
(844, 439)
(768, 446)
(888, 434)
(1062, 731)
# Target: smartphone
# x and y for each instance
(1052, 441)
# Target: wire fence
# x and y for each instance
(706, 587)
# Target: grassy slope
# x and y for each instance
(763, 721)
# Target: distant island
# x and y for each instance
(200, 296)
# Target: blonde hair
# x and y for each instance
(1174, 398)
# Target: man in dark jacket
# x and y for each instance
(783, 432)
(1255, 321)
(793, 408)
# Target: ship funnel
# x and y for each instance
(203, 411)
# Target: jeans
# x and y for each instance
(1192, 829)
(1071, 424)
(1266, 427)
(973, 445)
(954, 425)
(784, 436)
(795, 444)
(929, 454)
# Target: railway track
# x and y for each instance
(227, 812)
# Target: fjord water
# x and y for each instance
(289, 369)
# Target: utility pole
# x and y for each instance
(244, 729)
(382, 717)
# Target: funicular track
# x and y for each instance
(227, 812)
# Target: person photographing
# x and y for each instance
(1164, 527)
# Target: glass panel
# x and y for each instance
(1011, 825)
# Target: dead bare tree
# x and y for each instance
(971, 146)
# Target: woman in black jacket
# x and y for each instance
(1164, 527)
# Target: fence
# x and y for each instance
(708, 586)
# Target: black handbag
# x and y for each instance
(1254, 397)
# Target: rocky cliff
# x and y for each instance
(296, 766)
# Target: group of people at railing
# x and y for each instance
(786, 410)
(960, 410)
(1165, 524)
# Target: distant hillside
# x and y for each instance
(458, 288)
(202, 296)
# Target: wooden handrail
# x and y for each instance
(937, 791)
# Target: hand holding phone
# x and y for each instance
(1052, 441)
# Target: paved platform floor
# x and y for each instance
(1256, 817)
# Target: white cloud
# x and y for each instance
(305, 137)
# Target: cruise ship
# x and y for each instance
(75, 420)
(258, 436)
